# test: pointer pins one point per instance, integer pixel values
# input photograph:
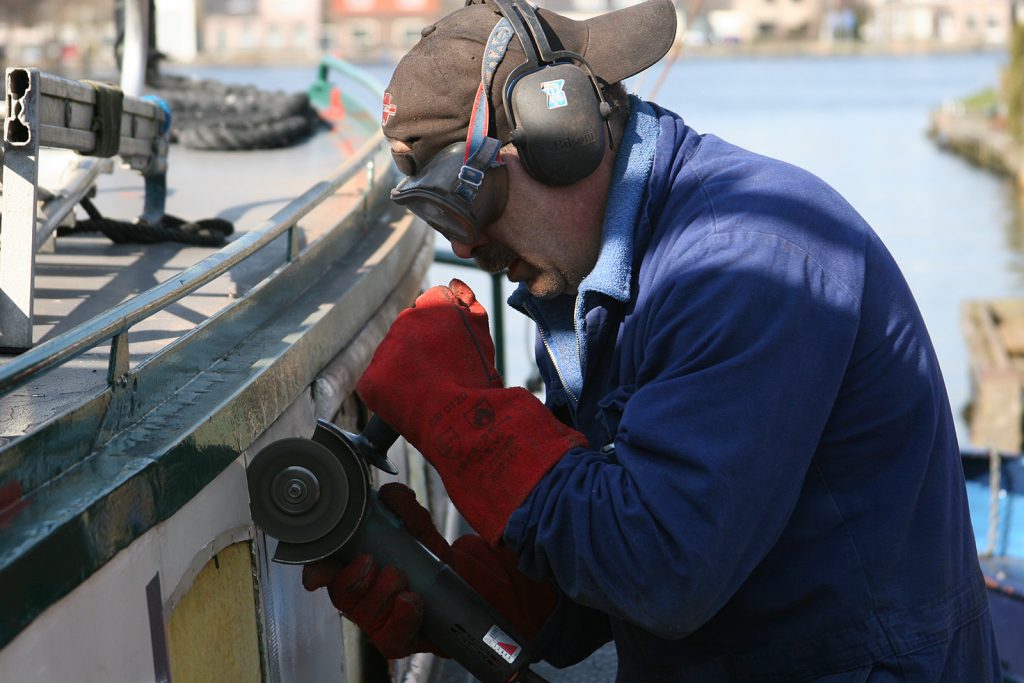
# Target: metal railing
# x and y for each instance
(44, 110)
(115, 323)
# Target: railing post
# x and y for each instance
(18, 229)
(371, 168)
(292, 249)
(117, 367)
(498, 308)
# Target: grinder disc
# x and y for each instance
(298, 490)
(337, 442)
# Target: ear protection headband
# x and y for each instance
(553, 104)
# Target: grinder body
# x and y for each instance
(315, 497)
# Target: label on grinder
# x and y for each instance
(502, 643)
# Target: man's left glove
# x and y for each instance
(379, 601)
(433, 379)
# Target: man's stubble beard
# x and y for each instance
(494, 258)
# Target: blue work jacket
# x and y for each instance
(773, 489)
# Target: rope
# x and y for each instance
(995, 487)
(211, 115)
(209, 232)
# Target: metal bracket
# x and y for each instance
(17, 232)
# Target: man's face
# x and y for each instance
(545, 238)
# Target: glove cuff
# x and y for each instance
(516, 442)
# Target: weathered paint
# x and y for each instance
(158, 631)
(101, 630)
(212, 634)
(148, 468)
(53, 448)
(12, 501)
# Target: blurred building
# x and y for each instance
(178, 24)
(721, 21)
(261, 31)
(379, 29)
(965, 23)
(61, 37)
(78, 37)
(779, 19)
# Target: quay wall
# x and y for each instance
(979, 137)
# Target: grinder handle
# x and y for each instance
(371, 444)
(456, 617)
(379, 435)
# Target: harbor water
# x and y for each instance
(859, 122)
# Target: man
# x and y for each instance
(753, 472)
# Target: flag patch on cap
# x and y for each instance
(389, 109)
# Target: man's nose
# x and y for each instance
(464, 250)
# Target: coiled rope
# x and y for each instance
(208, 232)
(211, 115)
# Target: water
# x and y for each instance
(858, 122)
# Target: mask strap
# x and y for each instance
(481, 150)
(471, 175)
(494, 53)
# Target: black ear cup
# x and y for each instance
(559, 123)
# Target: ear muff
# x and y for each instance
(554, 106)
(559, 128)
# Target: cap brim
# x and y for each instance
(622, 43)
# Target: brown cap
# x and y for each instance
(428, 103)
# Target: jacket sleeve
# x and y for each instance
(739, 360)
(571, 633)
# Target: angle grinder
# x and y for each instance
(314, 497)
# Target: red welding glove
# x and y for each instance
(378, 601)
(376, 598)
(433, 379)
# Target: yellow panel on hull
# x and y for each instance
(212, 633)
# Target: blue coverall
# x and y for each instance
(773, 489)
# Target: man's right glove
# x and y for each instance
(433, 379)
(378, 600)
